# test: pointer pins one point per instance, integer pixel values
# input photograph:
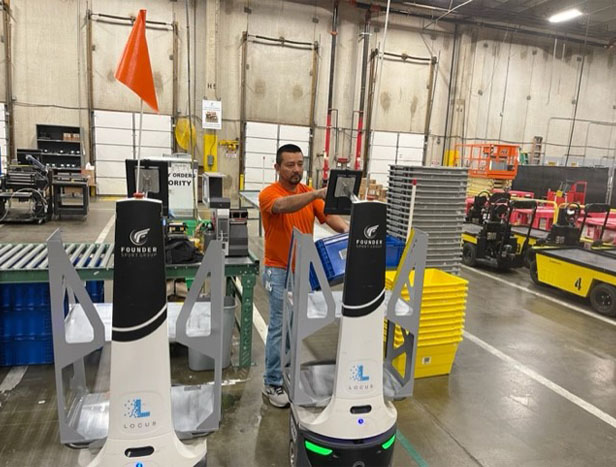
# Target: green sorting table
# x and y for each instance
(27, 262)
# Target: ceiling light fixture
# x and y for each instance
(565, 15)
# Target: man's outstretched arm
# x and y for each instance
(293, 203)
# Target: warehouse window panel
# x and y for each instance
(268, 161)
(261, 145)
(411, 140)
(254, 174)
(115, 137)
(269, 175)
(294, 133)
(112, 152)
(259, 160)
(410, 156)
(384, 138)
(111, 169)
(262, 130)
(108, 119)
(384, 153)
(381, 166)
(161, 139)
(154, 122)
(111, 186)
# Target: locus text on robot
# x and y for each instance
(139, 425)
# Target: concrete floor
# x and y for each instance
(534, 384)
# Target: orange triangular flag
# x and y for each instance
(134, 69)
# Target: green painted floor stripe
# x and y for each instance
(406, 444)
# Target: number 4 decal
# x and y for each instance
(578, 283)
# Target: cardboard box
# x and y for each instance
(374, 191)
(90, 175)
(72, 190)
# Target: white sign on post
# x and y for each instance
(182, 191)
(212, 115)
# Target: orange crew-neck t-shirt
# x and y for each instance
(279, 227)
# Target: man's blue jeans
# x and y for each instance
(274, 283)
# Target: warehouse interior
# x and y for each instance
(466, 149)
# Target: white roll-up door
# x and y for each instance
(116, 135)
(389, 147)
(261, 143)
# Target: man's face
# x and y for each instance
(291, 169)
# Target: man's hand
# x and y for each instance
(337, 223)
(320, 193)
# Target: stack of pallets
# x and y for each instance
(439, 210)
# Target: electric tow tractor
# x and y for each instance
(564, 232)
(341, 411)
(583, 268)
(487, 237)
(142, 419)
(521, 233)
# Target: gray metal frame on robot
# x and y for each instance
(64, 280)
(299, 321)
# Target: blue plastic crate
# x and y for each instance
(26, 351)
(96, 290)
(29, 295)
(25, 319)
(332, 252)
(394, 247)
(25, 322)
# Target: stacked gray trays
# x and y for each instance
(440, 204)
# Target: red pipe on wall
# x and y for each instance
(326, 153)
(360, 135)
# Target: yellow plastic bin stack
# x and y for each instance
(441, 322)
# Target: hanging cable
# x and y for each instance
(577, 95)
(190, 119)
(378, 86)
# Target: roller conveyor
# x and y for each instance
(25, 262)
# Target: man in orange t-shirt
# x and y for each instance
(285, 204)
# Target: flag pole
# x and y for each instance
(139, 147)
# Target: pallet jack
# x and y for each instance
(341, 412)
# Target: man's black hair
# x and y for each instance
(286, 148)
